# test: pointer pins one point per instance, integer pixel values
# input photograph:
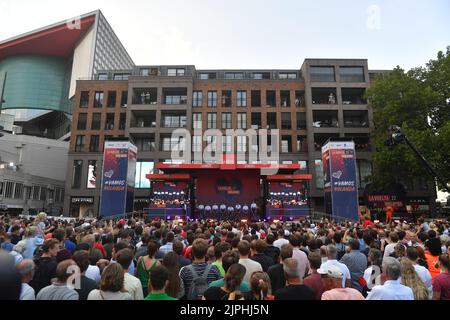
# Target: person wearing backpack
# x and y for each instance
(198, 275)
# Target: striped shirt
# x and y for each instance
(187, 276)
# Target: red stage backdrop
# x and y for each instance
(228, 187)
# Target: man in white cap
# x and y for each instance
(332, 283)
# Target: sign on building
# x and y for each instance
(340, 186)
(118, 174)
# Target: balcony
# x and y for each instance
(325, 119)
(324, 96)
(144, 96)
(356, 119)
(321, 138)
(353, 96)
(175, 96)
(143, 119)
(362, 141)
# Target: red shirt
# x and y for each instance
(314, 281)
(368, 223)
(442, 284)
(187, 253)
(100, 247)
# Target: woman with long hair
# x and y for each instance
(410, 278)
(230, 290)
(111, 285)
(175, 287)
(145, 264)
(261, 288)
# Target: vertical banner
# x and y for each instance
(340, 187)
(118, 174)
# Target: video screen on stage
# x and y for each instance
(287, 194)
(230, 188)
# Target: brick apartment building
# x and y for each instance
(322, 99)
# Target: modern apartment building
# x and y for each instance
(322, 99)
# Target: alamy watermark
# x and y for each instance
(373, 21)
(249, 146)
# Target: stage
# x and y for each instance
(228, 192)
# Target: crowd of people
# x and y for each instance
(139, 258)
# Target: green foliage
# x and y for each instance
(419, 102)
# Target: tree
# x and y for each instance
(419, 102)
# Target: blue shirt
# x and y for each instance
(31, 246)
(356, 262)
(391, 290)
(362, 245)
(168, 247)
(8, 246)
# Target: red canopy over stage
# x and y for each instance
(229, 191)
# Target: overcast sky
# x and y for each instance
(255, 33)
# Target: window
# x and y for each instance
(256, 120)
(111, 99)
(144, 72)
(145, 144)
(286, 121)
(82, 119)
(256, 98)
(287, 75)
(79, 144)
(170, 143)
(286, 144)
(301, 121)
(212, 121)
(351, 74)
(261, 75)
(145, 96)
(96, 119)
(94, 143)
(241, 143)
(300, 99)
(76, 175)
(285, 98)
(98, 101)
(124, 99)
(122, 121)
(102, 76)
(226, 120)
(318, 174)
(211, 143)
(226, 98)
(302, 144)
(109, 124)
(175, 95)
(271, 99)
(92, 174)
(121, 76)
(142, 169)
(227, 144)
(196, 143)
(322, 74)
(234, 75)
(212, 98)
(84, 99)
(197, 98)
(58, 195)
(242, 120)
(197, 120)
(271, 120)
(173, 120)
(175, 72)
(241, 99)
(36, 192)
(207, 75)
(18, 191)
